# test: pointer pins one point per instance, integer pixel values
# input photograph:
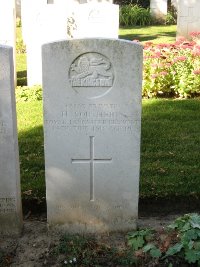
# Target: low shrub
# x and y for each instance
(132, 15)
(25, 93)
(178, 246)
(172, 69)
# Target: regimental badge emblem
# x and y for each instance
(91, 75)
(91, 70)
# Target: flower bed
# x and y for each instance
(172, 69)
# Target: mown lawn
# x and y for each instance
(156, 34)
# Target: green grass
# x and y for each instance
(31, 148)
(156, 34)
(170, 165)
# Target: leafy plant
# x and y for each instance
(170, 18)
(172, 69)
(25, 93)
(131, 15)
(86, 251)
(188, 230)
(182, 241)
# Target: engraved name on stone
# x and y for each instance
(91, 70)
(7, 205)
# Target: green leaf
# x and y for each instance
(148, 247)
(155, 253)
(189, 235)
(195, 220)
(175, 249)
(136, 242)
(170, 265)
(192, 256)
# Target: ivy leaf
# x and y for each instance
(136, 242)
(192, 256)
(175, 249)
(190, 234)
(195, 220)
(148, 247)
(155, 253)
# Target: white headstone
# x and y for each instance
(92, 115)
(30, 9)
(188, 17)
(18, 8)
(96, 20)
(48, 24)
(10, 200)
(8, 26)
(158, 8)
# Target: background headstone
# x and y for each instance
(10, 195)
(96, 20)
(8, 27)
(18, 8)
(29, 12)
(62, 20)
(92, 115)
(159, 9)
(188, 17)
(48, 24)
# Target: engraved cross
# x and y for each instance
(92, 160)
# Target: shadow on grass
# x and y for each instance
(22, 78)
(147, 36)
(32, 169)
(170, 165)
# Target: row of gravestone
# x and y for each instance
(92, 115)
(63, 20)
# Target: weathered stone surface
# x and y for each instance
(158, 8)
(92, 114)
(10, 200)
(8, 26)
(94, 20)
(188, 17)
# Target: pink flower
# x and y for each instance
(196, 52)
(181, 58)
(196, 72)
(194, 34)
(163, 73)
(153, 76)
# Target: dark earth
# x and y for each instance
(34, 247)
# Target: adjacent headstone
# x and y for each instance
(30, 9)
(188, 17)
(8, 26)
(18, 8)
(92, 115)
(44, 29)
(10, 200)
(159, 9)
(96, 20)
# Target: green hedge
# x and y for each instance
(143, 3)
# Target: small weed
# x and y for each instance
(25, 93)
(86, 251)
(181, 245)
